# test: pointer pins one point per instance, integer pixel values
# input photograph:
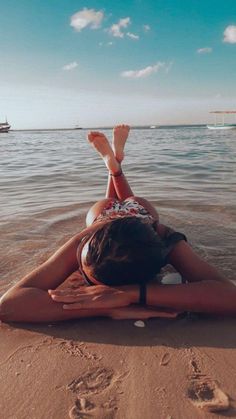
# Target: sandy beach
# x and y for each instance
(106, 369)
(102, 368)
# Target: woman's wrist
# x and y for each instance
(132, 291)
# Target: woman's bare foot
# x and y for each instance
(101, 144)
(120, 135)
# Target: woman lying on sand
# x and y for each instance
(119, 253)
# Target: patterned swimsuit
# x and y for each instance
(129, 207)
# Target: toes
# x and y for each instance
(96, 134)
(93, 134)
(123, 126)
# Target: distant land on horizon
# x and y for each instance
(111, 127)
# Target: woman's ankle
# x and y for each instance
(116, 173)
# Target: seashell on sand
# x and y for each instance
(139, 323)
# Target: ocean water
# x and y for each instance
(49, 178)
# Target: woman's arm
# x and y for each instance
(213, 297)
(207, 291)
(34, 305)
(191, 266)
(55, 270)
(28, 300)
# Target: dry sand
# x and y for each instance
(101, 368)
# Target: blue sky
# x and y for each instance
(94, 63)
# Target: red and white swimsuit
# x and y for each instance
(129, 207)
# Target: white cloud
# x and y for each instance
(168, 67)
(145, 72)
(132, 35)
(230, 34)
(86, 17)
(70, 66)
(206, 50)
(146, 28)
(115, 29)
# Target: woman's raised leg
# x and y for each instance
(118, 186)
(118, 183)
(120, 135)
(110, 191)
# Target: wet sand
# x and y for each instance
(102, 368)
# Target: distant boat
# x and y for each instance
(4, 126)
(222, 125)
(77, 127)
(154, 126)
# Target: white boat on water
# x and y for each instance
(222, 124)
(4, 126)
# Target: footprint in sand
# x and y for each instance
(94, 381)
(205, 393)
(76, 349)
(81, 409)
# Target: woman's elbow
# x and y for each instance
(12, 306)
(7, 313)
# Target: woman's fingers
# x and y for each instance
(72, 292)
(60, 292)
(96, 297)
(75, 296)
(65, 298)
(67, 291)
(83, 290)
(100, 297)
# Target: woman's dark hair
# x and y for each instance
(125, 251)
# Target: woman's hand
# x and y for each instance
(97, 296)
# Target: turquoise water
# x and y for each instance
(49, 178)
